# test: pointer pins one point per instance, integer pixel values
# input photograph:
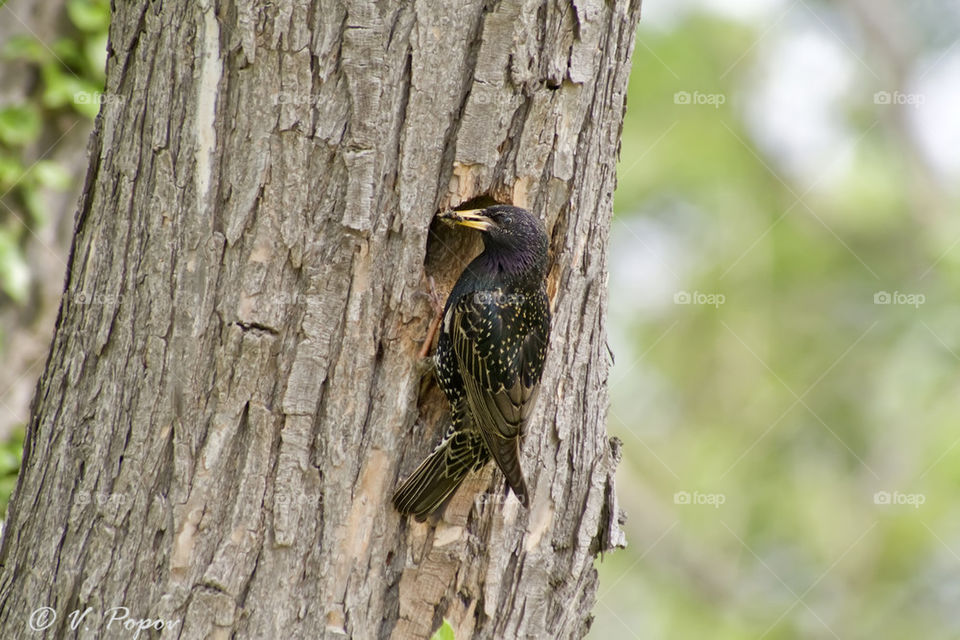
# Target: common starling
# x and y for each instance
(490, 353)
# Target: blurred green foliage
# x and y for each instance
(445, 632)
(791, 451)
(11, 453)
(69, 76)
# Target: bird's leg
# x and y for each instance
(435, 323)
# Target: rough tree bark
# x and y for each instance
(234, 389)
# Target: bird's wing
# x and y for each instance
(500, 343)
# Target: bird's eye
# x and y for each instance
(507, 220)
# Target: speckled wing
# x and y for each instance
(500, 341)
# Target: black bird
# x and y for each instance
(490, 353)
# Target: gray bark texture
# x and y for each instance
(234, 385)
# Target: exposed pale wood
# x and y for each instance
(256, 231)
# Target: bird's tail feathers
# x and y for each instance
(439, 475)
(507, 455)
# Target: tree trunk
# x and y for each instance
(234, 386)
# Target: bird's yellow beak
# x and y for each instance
(472, 218)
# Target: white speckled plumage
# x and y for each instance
(489, 360)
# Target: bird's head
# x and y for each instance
(505, 228)
(514, 244)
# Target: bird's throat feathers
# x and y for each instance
(511, 268)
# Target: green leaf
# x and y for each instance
(63, 88)
(21, 47)
(14, 273)
(89, 15)
(9, 463)
(11, 459)
(445, 632)
(95, 52)
(34, 204)
(6, 488)
(19, 125)
(58, 86)
(11, 170)
(68, 52)
(50, 174)
(14, 442)
(87, 102)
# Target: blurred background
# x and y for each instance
(52, 57)
(785, 261)
(784, 312)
